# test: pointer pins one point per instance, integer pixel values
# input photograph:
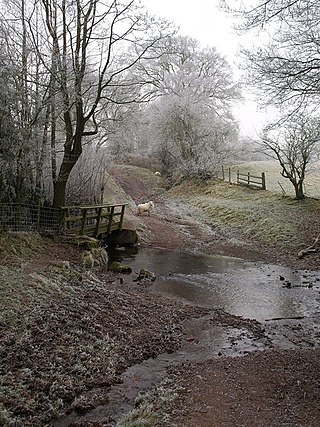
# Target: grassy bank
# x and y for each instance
(275, 182)
(263, 216)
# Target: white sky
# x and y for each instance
(202, 20)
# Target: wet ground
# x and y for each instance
(271, 315)
(248, 372)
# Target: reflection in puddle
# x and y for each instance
(250, 290)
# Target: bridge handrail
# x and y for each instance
(94, 206)
(96, 225)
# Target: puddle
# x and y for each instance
(251, 290)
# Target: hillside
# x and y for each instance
(275, 181)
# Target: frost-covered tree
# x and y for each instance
(100, 42)
(191, 123)
(294, 144)
(73, 59)
(286, 67)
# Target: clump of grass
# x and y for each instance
(150, 406)
(20, 244)
(144, 416)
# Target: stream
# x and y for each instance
(248, 289)
(257, 291)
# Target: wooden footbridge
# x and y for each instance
(80, 220)
(93, 220)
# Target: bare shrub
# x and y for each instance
(87, 181)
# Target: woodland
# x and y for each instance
(84, 84)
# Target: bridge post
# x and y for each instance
(110, 219)
(121, 216)
(99, 212)
(84, 219)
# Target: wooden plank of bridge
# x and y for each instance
(96, 231)
(111, 214)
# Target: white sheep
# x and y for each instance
(145, 207)
(157, 173)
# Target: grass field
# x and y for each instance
(272, 171)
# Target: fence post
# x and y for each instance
(248, 178)
(222, 172)
(38, 214)
(263, 178)
(229, 174)
(121, 216)
(238, 180)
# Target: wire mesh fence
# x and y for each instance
(20, 217)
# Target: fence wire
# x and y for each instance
(20, 217)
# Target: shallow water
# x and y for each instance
(250, 290)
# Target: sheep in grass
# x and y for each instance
(157, 173)
(145, 207)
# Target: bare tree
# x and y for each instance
(17, 103)
(286, 69)
(90, 42)
(294, 145)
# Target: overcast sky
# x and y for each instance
(202, 20)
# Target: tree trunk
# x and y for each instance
(299, 190)
(60, 185)
(72, 152)
(59, 188)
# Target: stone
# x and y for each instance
(118, 267)
(124, 237)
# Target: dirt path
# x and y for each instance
(275, 387)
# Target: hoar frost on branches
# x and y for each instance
(284, 70)
(286, 67)
(74, 60)
(189, 125)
